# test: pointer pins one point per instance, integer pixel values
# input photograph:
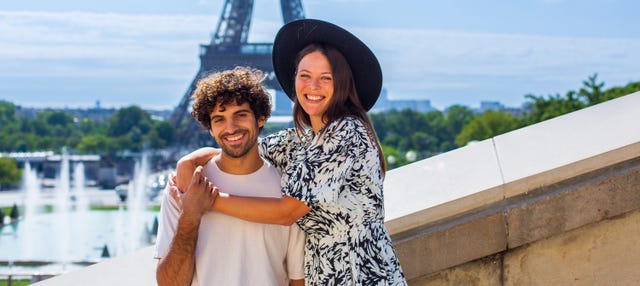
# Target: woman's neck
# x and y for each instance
(316, 124)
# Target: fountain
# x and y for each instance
(31, 188)
(61, 210)
(79, 181)
(32, 205)
(70, 233)
(136, 204)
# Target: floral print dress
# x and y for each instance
(338, 175)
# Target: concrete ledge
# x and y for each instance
(137, 268)
(427, 252)
(486, 272)
(571, 170)
(517, 221)
(603, 253)
(576, 202)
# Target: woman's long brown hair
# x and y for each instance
(345, 101)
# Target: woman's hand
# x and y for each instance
(174, 192)
(199, 184)
(199, 198)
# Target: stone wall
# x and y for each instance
(580, 231)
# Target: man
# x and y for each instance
(200, 247)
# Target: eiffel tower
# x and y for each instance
(228, 48)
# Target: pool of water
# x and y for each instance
(72, 237)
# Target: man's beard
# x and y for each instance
(238, 153)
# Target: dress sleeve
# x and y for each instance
(328, 163)
(277, 148)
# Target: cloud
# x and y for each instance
(435, 59)
(104, 40)
(416, 62)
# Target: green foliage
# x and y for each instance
(10, 174)
(427, 133)
(408, 129)
(630, 88)
(393, 157)
(487, 125)
(400, 131)
(7, 112)
(128, 118)
(95, 143)
(130, 128)
(457, 116)
(14, 282)
(133, 129)
(164, 131)
(541, 108)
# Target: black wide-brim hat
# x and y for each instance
(296, 35)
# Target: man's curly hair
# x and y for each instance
(238, 85)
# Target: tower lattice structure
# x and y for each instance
(229, 48)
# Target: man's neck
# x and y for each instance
(244, 165)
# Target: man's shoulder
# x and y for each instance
(270, 169)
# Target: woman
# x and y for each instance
(332, 163)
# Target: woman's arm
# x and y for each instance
(282, 211)
(188, 163)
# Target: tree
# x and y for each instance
(7, 112)
(592, 91)
(489, 124)
(541, 108)
(162, 134)
(457, 116)
(96, 143)
(393, 157)
(10, 174)
(128, 118)
(616, 92)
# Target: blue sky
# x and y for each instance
(72, 53)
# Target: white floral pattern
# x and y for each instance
(338, 175)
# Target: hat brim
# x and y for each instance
(296, 35)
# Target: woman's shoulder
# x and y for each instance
(284, 135)
(346, 124)
(344, 131)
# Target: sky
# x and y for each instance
(74, 53)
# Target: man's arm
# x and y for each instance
(178, 265)
(299, 282)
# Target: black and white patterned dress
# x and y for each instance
(338, 175)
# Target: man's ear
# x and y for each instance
(261, 121)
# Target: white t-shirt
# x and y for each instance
(231, 251)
